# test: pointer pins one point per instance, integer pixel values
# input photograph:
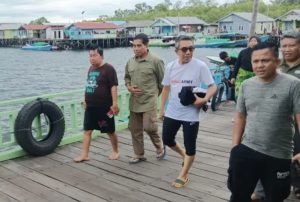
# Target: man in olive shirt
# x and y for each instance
(290, 47)
(143, 77)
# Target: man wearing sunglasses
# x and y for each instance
(184, 71)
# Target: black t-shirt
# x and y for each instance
(98, 86)
(231, 62)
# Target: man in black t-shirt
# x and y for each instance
(101, 103)
(230, 61)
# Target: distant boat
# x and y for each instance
(166, 41)
(38, 46)
(222, 40)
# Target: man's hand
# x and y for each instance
(199, 102)
(296, 158)
(232, 80)
(161, 115)
(115, 109)
(134, 90)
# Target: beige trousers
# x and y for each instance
(140, 122)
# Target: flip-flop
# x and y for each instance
(162, 154)
(137, 160)
(179, 183)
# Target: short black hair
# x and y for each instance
(96, 48)
(292, 35)
(143, 37)
(267, 45)
(182, 38)
(256, 37)
(223, 55)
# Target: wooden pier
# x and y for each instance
(57, 178)
(74, 44)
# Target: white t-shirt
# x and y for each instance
(178, 75)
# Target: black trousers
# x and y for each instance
(295, 174)
(246, 166)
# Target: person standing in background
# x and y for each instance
(243, 67)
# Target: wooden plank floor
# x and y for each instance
(57, 178)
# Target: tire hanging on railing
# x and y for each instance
(24, 131)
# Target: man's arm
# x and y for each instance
(239, 127)
(211, 90)
(164, 97)
(127, 77)
(114, 94)
(160, 69)
(297, 119)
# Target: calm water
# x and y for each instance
(31, 73)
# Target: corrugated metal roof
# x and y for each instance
(10, 26)
(186, 20)
(34, 27)
(138, 23)
(95, 25)
(118, 23)
(286, 15)
(248, 16)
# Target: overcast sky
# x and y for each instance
(68, 11)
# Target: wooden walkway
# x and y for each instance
(57, 178)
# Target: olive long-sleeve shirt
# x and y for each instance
(294, 70)
(147, 75)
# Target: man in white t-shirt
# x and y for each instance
(184, 71)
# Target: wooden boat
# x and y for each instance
(222, 40)
(166, 41)
(215, 60)
(38, 46)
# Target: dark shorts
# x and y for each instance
(190, 132)
(96, 118)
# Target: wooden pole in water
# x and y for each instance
(254, 17)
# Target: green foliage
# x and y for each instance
(207, 10)
(39, 21)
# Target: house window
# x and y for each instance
(55, 34)
(79, 33)
(230, 27)
(59, 36)
(107, 31)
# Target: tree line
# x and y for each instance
(207, 10)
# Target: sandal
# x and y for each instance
(135, 160)
(179, 183)
(162, 154)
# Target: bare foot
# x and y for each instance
(81, 159)
(114, 156)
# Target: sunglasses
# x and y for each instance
(185, 49)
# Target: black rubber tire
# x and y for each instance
(217, 98)
(23, 127)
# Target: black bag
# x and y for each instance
(187, 97)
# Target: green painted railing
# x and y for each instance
(71, 104)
